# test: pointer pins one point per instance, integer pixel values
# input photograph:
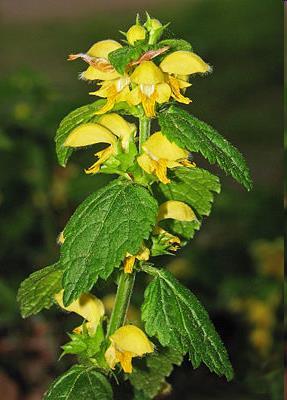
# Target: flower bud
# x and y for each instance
(154, 24)
(136, 32)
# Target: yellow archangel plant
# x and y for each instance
(154, 202)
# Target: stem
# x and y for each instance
(144, 128)
(126, 281)
(124, 292)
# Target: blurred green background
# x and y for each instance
(234, 265)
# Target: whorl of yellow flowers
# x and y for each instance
(144, 81)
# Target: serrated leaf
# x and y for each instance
(176, 44)
(193, 186)
(195, 135)
(175, 316)
(155, 368)
(84, 344)
(75, 118)
(107, 225)
(121, 57)
(185, 229)
(80, 382)
(37, 291)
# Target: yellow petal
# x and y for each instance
(173, 240)
(148, 103)
(107, 89)
(125, 359)
(87, 305)
(91, 74)
(108, 105)
(173, 164)
(175, 210)
(145, 162)
(147, 73)
(136, 32)
(111, 357)
(163, 93)
(158, 146)
(129, 264)
(175, 87)
(134, 98)
(156, 167)
(131, 339)
(88, 134)
(103, 48)
(119, 127)
(103, 155)
(143, 253)
(183, 84)
(160, 169)
(123, 94)
(183, 63)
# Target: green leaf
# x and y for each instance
(185, 229)
(37, 291)
(84, 344)
(149, 378)
(193, 186)
(176, 44)
(75, 118)
(80, 382)
(195, 135)
(175, 316)
(121, 57)
(124, 108)
(138, 395)
(107, 225)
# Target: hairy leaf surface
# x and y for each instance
(151, 377)
(195, 187)
(121, 57)
(175, 316)
(80, 382)
(195, 135)
(107, 225)
(75, 118)
(37, 291)
(176, 44)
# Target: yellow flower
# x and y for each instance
(159, 154)
(126, 343)
(178, 66)
(135, 33)
(87, 306)
(173, 209)
(108, 129)
(129, 261)
(183, 63)
(97, 57)
(150, 87)
(114, 91)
